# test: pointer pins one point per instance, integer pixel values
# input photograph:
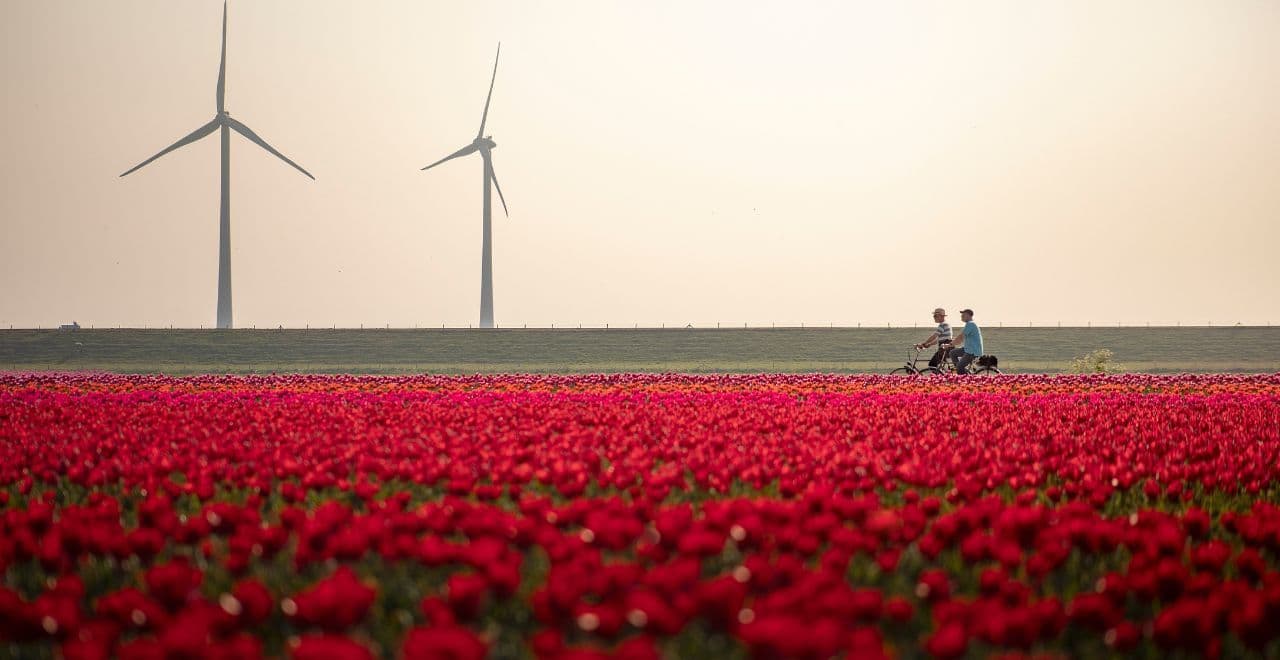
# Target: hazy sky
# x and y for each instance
(665, 161)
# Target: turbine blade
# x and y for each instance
(253, 137)
(222, 63)
(494, 177)
(485, 116)
(465, 151)
(192, 137)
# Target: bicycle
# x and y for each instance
(984, 365)
(911, 368)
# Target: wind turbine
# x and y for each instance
(222, 120)
(484, 144)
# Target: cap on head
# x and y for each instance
(940, 311)
(967, 311)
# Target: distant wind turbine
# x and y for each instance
(222, 120)
(484, 144)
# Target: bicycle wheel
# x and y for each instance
(986, 371)
(904, 371)
(930, 371)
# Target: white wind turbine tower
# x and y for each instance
(484, 144)
(222, 120)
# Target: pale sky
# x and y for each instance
(665, 161)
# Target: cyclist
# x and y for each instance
(970, 341)
(941, 336)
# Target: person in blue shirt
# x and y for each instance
(969, 343)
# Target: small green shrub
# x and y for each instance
(1099, 361)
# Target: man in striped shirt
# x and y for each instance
(941, 336)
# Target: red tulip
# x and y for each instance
(334, 604)
(329, 647)
(443, 643)
(173, 583)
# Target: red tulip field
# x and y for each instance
(639, 516)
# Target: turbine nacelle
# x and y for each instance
(484, 143)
